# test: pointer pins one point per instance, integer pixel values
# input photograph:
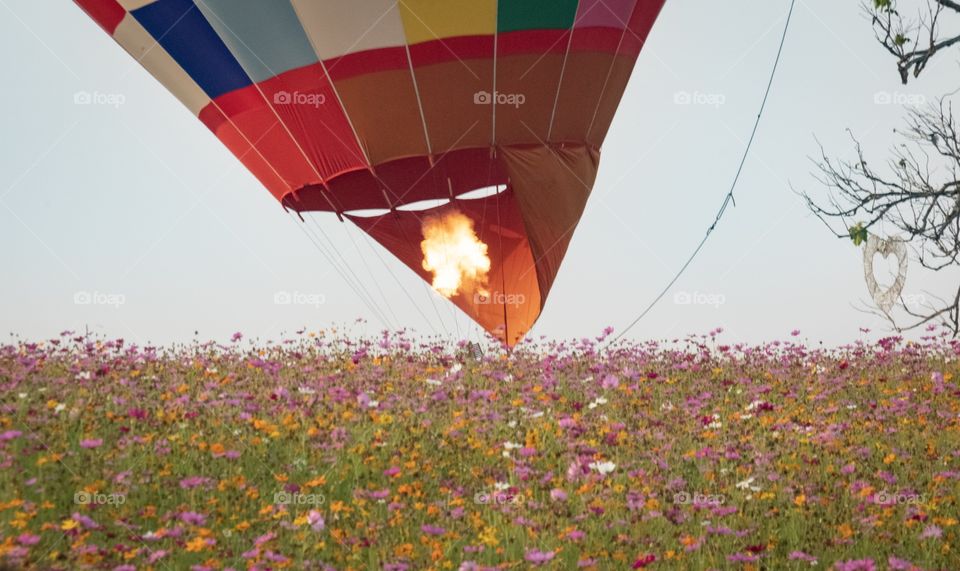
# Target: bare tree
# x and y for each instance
(915, 40)
(916, 192)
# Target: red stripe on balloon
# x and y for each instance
(107, 13)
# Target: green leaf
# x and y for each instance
(858, 234)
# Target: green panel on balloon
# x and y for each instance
(514, 15)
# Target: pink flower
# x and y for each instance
(931, 531)
(432, 530)
(610, 382)
(315, 519)
(558, 495)
(264, 538)
(856, 565)
(85, 521)
(391, 471)
(801, 556)
(91, 443)
(193, 482)
(538, 557)
(896, 564)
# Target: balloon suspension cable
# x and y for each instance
(314, 239)
(729, 198)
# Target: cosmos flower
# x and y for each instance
(536, 557)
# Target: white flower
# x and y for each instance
(512, 424)
(667, 406)
(455, 369)
(748, 485)
(22, 395)
(603, 467)
(511, 445)
(306, 391)
(373, 404)
(434, 382)
(599, 401)
(59, 408)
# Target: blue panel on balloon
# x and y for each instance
(182, 30)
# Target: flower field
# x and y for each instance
(327, 452)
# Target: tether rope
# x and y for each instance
(728, 199)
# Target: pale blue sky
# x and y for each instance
(138, 203)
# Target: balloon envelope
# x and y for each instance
(346, 105)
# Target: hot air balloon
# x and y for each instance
(491, 112)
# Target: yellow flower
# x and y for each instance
(68, 524)
(889, 458)
(196, 544)
(489, 537)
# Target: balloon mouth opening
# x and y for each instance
(432, 204)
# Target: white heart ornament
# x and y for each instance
(887, 298)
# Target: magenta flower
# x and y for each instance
(528, 451)
(644, 560)
(576, 535)
(91, 443)
(896, 564)
(193, 518)
(28, 539)
(10, 435)
(432, 530)
(558, 495)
